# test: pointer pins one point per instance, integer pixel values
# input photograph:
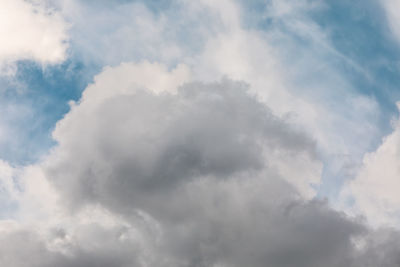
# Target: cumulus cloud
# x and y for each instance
(200, 175)
(147, 141)
(31, 31)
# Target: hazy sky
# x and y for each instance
(199, 133)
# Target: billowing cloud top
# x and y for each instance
(201, 137)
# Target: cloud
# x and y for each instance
(8, 197)
(124, 31)
(393, 17)
(153, 167)
(374, 188)
(200, 175)
(147, 142)
(31, 31)
(182, 157)
(25, 248)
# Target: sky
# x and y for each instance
(181, 133)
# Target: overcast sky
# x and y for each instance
(199, 133)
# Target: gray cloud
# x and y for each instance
(200, 177)
(26, 248)
(131, 149)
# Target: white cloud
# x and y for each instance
(375, 189)
(8, 189)
(31, 31)
(393, 15)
